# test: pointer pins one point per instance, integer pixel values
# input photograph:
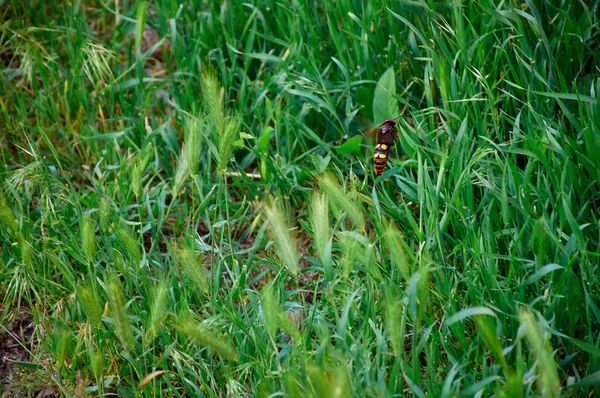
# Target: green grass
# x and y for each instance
(149, 261)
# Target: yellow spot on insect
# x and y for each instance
(382, 155)
(383, 146)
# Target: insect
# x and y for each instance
(386, 134)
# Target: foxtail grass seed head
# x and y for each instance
(223, 128)
(330, 380)
(548, 381)
(352, 251)
(394, 314)
(90, 302)
(158, 305)
(340, 201)
(129, 243)
(88, 238)
(213, 103)
(7, 217)
(227, 140)
(270, 308)
(282, 235)
(194, 143)
(118, 311)
(139, 164)
(120, 262)
(319, 222)
(289, 322)
(27, 254)
(371, 264)
(62, 344)
(105, 212)
(181, 172)
(393, 241)
(418, 291)
(540, 240)
(199, 334)
(192, 267)
(137, 174)
(96, 360)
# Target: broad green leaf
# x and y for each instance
(385, 106)
(352, 145)
(264, 139)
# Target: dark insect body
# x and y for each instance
(386, 134)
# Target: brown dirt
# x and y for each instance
(12, 341)
(15, 345)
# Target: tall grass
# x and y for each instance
(185, 220)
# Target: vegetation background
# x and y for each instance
(142, 255)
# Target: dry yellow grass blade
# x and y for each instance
(149, 378)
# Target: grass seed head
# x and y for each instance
(282, 234)
(340, 201)
(129, 243)
(394, 243)
(88, 237)
(319, 221)
(200, 334)
(158, 305)
(7, 217)
(90, 302)
(194, 141)
(118, 311)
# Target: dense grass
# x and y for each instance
(150, 260)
